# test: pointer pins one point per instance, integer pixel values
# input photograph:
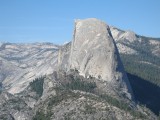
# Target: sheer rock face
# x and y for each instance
(94, 53)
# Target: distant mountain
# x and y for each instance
(21, 63)
(141, 58)
(129, 42)
(140, 55)
(93, 53)
(83, 79)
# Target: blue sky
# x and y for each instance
(53, 20)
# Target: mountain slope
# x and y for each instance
(62, 98)
(140, 55)
(94, 53)
(21, 63)
(141, 59)
(84, 79)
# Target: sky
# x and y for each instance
(27, 21)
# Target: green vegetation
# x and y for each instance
(115, 102)
(77, 84)
(0, 87)
(16, 103)
(122, 105)
(159, 116)
(3, 117)
(41, 116)
(89, 109)
(62, 94)
(144, 64)
(148, 38)
(149, 72)
(143, 70)
(37, 86)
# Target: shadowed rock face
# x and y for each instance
(64, 94)
(94, 53)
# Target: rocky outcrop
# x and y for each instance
(130, 43)
(22, 63)
(86, 77)
(94, 53)
(59, 102)
(14, 108)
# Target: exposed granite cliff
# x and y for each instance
(94, 53)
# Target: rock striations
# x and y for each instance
(94, 53)
(83, 79)
(22, 63)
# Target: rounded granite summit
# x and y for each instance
(94, 53)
